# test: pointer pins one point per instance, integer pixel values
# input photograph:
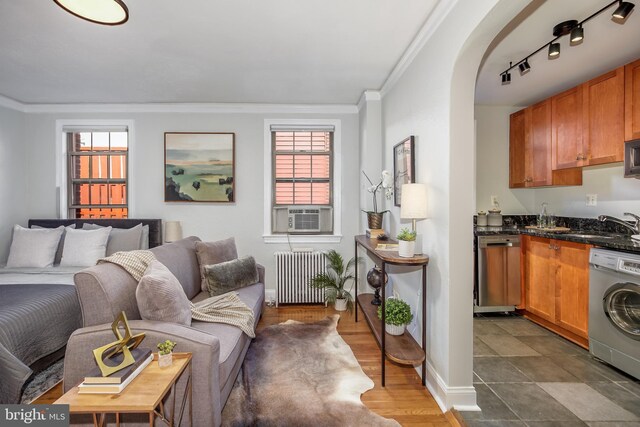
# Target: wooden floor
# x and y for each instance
(403, 399)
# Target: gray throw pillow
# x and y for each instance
(160, 296)
(35, 248)
(230, 275)
(60, 244)
(213, 253)
(120, 239)
(82, 248)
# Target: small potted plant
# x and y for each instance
(334, 280)
(397, 316)
(165, 353)
(406, 243)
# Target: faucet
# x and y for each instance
(635, 227)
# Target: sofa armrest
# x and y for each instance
(260, 268)
(205, 349)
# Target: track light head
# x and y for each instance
(623, 10)
(524, 67)
(554, 50)
(577, 35)
(506, 78)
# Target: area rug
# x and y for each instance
(42, 382)
(298, 374)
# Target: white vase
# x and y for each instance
(406, 249)
(394, 329)
(341, 304)
(165, 360)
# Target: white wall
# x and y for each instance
(433, 100)
(616, 194)
(14, 171)
(242, 219)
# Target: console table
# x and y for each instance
(401, 349)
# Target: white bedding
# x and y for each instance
(48, 275)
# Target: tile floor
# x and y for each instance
(525, 375)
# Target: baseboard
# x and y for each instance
(459, 398)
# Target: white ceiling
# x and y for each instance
(606, 45)
(248, 51)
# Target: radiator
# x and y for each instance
(294, 271)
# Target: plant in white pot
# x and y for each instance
(335, 279)
(406, 243)
(397, 316)
(165, 353)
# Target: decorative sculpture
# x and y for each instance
(123, 345)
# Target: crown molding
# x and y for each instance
(368, 95)
(10, 103)
(219, 108)
(435, 18)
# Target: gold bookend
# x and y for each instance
(123, 345)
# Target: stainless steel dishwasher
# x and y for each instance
(498, 284)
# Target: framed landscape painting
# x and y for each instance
(403, 167)
(199, 167)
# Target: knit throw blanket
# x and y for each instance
(226, 308)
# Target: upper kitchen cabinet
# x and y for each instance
(632, 101)
(603, 124)
(566, 129)
(530, 150)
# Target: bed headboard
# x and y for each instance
(155, 225)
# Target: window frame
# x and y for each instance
(62, 159)
(336, 182)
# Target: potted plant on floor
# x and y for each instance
(397, 316)
(334, 280)
(406, 243)
(165, 353)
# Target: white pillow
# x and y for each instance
(33, 248)
(56, 261)
(82, 248)
(120, 239)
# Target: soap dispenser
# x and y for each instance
(543, 218)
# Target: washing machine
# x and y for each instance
(614, 309)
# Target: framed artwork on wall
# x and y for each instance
(199, 167)
(403, 167)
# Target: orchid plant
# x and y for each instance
(386, 184)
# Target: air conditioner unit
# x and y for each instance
(303, 219)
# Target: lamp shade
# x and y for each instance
(413, 201)
(172, 231)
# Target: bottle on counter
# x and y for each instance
(543, 218)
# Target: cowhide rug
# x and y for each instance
(298, 374)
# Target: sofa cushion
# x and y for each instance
(161, 297)
(82, 248)
(180, 258)
(230, 275)
(34, 248)
(209, 253)
(232, 339)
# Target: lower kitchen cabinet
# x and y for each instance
(556, 282)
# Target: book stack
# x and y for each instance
(95, 383)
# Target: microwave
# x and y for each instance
(632, 159)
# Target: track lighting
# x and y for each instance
(623, 10)
(576, 31)
(524, 67)
(577, 35)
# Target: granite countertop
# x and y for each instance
(601, 239)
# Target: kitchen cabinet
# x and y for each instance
(602, 118)
(632, 101)
(556, 282)
(530, 150)
(566, 129)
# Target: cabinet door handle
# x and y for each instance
(579, 156)
(550, 246)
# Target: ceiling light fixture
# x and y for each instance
(576, 31)
(105, 12)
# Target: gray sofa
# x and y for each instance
(218, 349)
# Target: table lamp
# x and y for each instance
(172, 231)
(413, 206)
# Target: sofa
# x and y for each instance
(218, 349)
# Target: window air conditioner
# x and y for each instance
(303, 219)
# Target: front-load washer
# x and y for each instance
(614, 309)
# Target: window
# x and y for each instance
(97, 177)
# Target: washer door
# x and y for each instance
(622, 306)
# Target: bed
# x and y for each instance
(39, 310)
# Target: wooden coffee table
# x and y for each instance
(143, 395)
